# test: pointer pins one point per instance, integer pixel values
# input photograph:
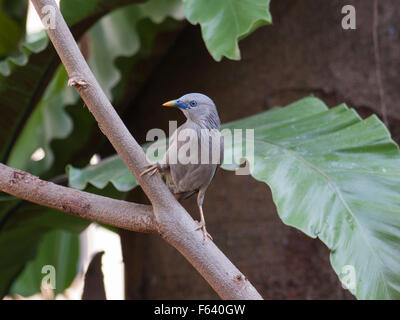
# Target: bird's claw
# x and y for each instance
(206, 235)
(152, 169)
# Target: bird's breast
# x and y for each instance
(193, 156)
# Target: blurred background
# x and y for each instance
(143, 58)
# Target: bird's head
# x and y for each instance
(198, 108)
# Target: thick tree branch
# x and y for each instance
(174, 224)
(117, 213)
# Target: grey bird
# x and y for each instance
(203, 148)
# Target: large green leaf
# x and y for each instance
(10, 32)
(48, 121)
(117, 35)
(111, 170)
(223, 23)
(113, 36)
(77, 11)
(35, 236)
(155, 40)
(25, 75)
(16, 10)
(19, 239)
(333, 176)
(20, 85)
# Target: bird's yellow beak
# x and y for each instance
(171, 103)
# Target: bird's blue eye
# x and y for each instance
(193, 103)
